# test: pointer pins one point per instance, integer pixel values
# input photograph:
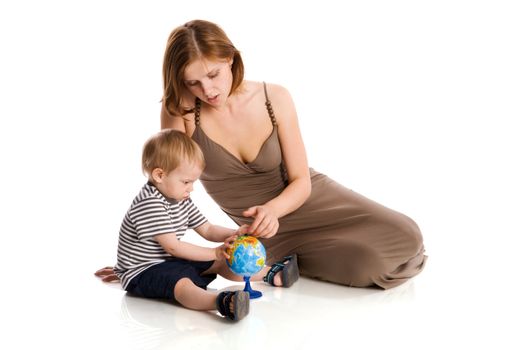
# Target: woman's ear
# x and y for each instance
(157, 175)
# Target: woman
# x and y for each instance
(257, 170)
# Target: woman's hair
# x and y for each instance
(167, 149)
(195, 40)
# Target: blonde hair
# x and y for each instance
(167, 149)
(191, 41)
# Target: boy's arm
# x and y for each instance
(216, 233)
(189, 251)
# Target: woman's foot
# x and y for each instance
(233, 305)
(283, 273)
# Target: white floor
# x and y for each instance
(466, 301)
(415, 104)
(443, 308)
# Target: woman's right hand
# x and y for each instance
(265, 223)
(107, 274)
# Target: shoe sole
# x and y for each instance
(290, 272)
(241, 301)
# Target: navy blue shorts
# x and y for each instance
(159, 280)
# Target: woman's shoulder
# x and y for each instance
(250, 85)
(179, 122)
(275, 93)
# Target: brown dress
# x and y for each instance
(338, 235)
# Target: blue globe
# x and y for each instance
(247, 256)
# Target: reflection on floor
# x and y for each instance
(302, 316)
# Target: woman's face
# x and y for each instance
(210, 81)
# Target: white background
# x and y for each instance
(415, 104)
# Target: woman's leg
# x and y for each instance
(373, 246)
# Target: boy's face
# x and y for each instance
(178, 183)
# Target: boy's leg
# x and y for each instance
(193, 297)
(221, 268)
(196, 298)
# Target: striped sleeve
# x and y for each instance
(151, 217)
(195, 218)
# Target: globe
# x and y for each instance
(247, 256)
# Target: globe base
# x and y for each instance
(254, 294)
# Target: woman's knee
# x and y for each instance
(411, 235)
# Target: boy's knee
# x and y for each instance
(181, 287)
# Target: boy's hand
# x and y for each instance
(220, 251)
(243, 230)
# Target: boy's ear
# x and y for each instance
(157, 174)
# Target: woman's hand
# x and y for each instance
(243, 230)
(107, 274)
(265, 223)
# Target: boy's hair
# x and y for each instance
(167, 149)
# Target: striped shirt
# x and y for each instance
(151, 214)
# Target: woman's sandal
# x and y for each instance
(241, 304)
(289, 268)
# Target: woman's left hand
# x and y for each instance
(265, 223)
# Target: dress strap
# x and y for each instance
(197, 111)
(269, 106)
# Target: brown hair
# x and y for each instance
(193, 40)
(167, 149)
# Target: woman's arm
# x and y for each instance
(266, 216)
(168, 121)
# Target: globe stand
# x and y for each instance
(254, 294)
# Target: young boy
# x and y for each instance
(152, 262)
